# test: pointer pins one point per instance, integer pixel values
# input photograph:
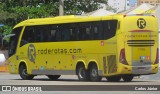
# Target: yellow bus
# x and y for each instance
(116, 47)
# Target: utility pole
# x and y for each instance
(138, 2)
(61, 7)
(158, 1)
(125, 6)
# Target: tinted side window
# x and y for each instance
(42, 33)
(69, 32)
(109, 28)
(73, 27)
(84, 31)
(28, 36)
(34, 34)
(59, 33)
(97, 31)
(53, 33)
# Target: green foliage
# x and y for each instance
(80, 6)
(15, 11)
(5, 30)
(40, 11)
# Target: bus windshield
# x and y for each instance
(14, 41)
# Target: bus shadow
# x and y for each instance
(69, 80)
(76, 80)
(126, 82)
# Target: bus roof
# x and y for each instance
(59, 19)
(70, 19)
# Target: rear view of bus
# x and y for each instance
(139, 45)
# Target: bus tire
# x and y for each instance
(82, 73)
(93, 72)
(113, 78)
(127, 78)
(23, 73)
(53, 77)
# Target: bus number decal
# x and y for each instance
(141, 23)
(31, 53)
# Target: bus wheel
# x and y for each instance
(114, 78)
(53, 77)
(127, 78)
(93, 71)
(82, 73)
(23, 73)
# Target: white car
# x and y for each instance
(2, 58)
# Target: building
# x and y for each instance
(132, 4)
(122, 5)
(152, 2)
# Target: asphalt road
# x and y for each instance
(70, 84)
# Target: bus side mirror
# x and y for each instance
(3, 41)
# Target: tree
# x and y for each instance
(71, 6)
(81, 6)
(15, 11)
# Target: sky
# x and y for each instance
(132, 2)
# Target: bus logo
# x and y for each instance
(141, 23)
(31, 53)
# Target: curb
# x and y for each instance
(4, 68)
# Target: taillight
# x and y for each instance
(122, 58)
(157, 57)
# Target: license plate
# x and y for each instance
(144, 58)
